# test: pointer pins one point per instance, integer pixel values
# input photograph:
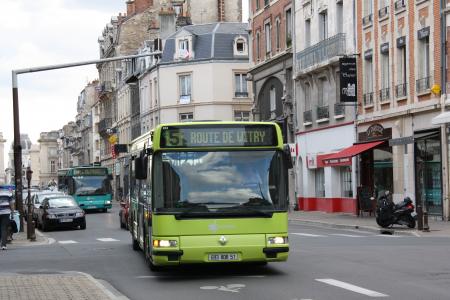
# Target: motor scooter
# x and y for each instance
(388, 213)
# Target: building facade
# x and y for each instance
(325, 125)
(400, 81)
(48, 157)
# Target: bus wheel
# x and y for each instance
(104, 210)
(135, 244)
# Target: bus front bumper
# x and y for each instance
(208, 249)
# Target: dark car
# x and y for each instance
(123, 214)
(60, 211)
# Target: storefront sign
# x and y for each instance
(384, 48)
(311, 161)
(335, 162)
(348, 79)
(401, 42)
(401, 141)
(423, 33)
(375, 131)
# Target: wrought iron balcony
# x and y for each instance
(384, 95)
(423, 84)
(368, 99)
(367, 20)
(400, 4)
(339, 109)
(307, 116)
(322, 51)
(323, 112)
(383, 12)
(401, 90)
(104, 124)
(240, 94)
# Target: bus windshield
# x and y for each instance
(91, 185)
(219, 181)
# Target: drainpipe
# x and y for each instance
(294, 101)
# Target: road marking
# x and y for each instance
(347, 235)
(234, 288)
(389, 235)
(107, 240)
(307, 234)
(68, 242)
(351, 287)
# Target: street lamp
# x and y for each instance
(30, 226)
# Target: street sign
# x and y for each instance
(401, 141)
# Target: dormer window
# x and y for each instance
(240, 46)
(184, 48)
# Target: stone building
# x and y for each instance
(325, 124)
(48, 156)
(25, 143)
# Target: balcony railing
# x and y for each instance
(240, 94)
(104, 124)
(323, 112)
(423, 84)
(307, 116)
(401, 90)
(384, 95)
(322, 51)
(367, 20)
(383, 12)
(399, 4)
(368, 99)
(339, 109)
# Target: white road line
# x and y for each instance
(389, 235)
(107, 240)
(347, 235)
(307, 234)
(351, 287)
(68, 242)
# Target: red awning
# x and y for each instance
(344, 157)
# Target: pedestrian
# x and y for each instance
(6, 209)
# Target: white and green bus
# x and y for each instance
(210, 192)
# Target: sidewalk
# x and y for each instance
(20, 240)
(61, 286)
(366, 223)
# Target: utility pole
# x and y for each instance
(15, 91)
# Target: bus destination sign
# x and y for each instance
(90, 172)
(220, 136)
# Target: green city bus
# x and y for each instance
(90, 186)
(210, 192)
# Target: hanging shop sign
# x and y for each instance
(348, 79)
(423, 33)
(375, 131)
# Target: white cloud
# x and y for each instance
(47, 32)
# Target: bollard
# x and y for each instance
(419, 217)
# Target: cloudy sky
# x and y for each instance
(48, 32)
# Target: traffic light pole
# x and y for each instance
(15, 91)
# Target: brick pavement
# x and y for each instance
(64, 286)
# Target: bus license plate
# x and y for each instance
(223, 257)
(92, 207)
(66, 220)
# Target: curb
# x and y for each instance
(389, 231)
(27, 243)
(105, 286)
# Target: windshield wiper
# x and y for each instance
(249, 210)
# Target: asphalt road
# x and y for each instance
(324, 264)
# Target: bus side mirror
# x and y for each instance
(287, 156)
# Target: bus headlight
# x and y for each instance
(108, 202)
(164, 243)
(276, 240)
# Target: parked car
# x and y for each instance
(123, 214)
(33, 192)
(60, 211)
(39, 197)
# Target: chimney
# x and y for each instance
(221, 12)
(142, 5)
(131, 8)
